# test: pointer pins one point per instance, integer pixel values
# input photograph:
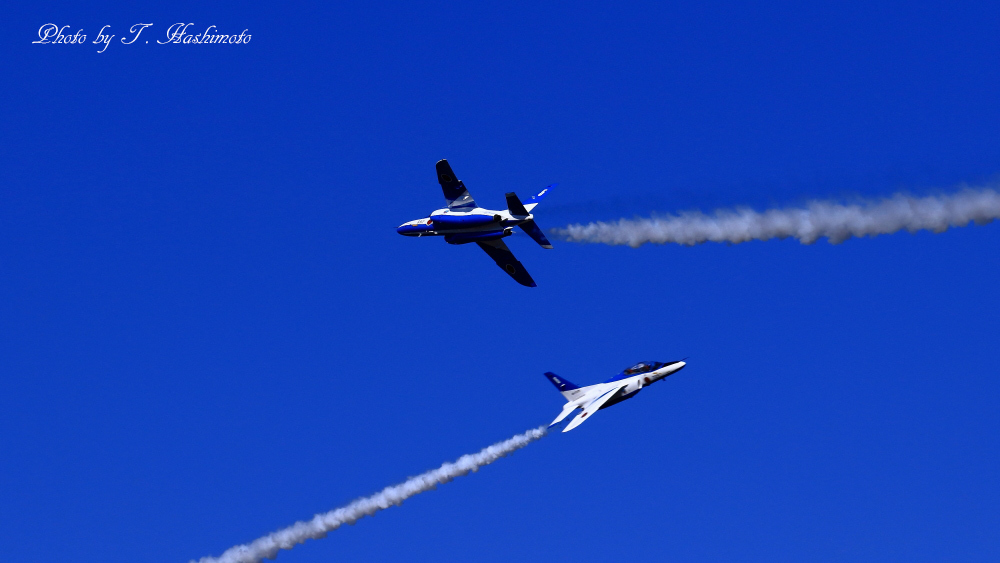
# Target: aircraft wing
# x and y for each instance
(567, 408)
(504, 258)
(454, 190)
(594, 405)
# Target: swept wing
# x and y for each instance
(603, 395)
(454, 190)
(504, 258)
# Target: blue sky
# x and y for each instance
(209, 328)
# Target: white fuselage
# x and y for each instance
(631, 384)
(592, 398)
(455, 221)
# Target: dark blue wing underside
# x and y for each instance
(454, 190)
(504, 258)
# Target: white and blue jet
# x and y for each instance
(625, 385)
(463, 222)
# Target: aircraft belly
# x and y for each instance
(474, 236)
(619, 397)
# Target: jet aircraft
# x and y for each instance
(623, 386)
(463, 222)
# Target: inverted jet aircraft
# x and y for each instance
(623, 386)
(463, 222)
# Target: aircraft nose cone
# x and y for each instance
(415, 228)
(408, 230)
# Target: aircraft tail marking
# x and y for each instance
(570, 391)
(537, 198)
(560, 383)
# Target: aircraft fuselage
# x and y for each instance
(463, 221)
(464, 226)
(635, 383)
(621, 387)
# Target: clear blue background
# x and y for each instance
(209, 328)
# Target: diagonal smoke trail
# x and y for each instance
(835, 221)
(269, 545)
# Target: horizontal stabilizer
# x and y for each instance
(568, 408)
(535, 233)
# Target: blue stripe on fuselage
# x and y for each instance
(656, 366)
(463, 221)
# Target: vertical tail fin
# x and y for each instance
(560, 383)
(568, 389)
(537, 198)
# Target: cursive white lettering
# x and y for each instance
(101, 38)
(46, 31)
(52, 33)
(136, 30)
(175, 34)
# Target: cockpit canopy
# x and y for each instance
(642, 367)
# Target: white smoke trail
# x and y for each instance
(269, 545)
(835, 221)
